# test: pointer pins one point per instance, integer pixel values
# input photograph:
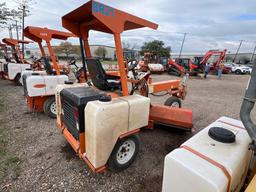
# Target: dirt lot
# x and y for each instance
(34, 156)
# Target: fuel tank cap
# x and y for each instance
(105, 98)
(222, 135)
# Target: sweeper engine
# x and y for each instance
(100, 129)
(73, 102)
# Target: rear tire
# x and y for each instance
(50, 107)
(238, 72)
(124, 153)
(18, 80)
(174, 71)
(173, 102)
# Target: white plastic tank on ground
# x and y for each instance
(203, 164)
(156, 67)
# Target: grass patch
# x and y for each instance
(12, 160)
(110, 62)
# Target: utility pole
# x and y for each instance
(17, 29)
(182, 44)
(241, 41)
(254, 50)
(10, 31)
(23, 22)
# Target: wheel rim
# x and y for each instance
(53, 108)
(175, 104)
(125, 152)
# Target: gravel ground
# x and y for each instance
(34, 156)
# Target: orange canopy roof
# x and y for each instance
(13, 42)
(97, 16)
(38, 34)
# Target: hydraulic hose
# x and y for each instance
(247, 106)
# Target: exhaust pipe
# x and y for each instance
(247, 106)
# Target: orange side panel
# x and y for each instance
(176, 117)
(36, 103)
(165, 85)
(72, 141)
(114, 73)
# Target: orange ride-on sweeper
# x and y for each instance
(14, 66)
(39, 88)
(101, 119)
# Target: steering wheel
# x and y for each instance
(72, 61)
(132, 64)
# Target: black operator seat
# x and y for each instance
(100, 78)
(7, 59)
(17, 58)
(48, 67)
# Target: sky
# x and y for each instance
(209, 24)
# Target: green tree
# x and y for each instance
(101, 52)
(67, 48)
(5, 15)
(156, 48)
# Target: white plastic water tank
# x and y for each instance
(49, 81)
(203, 164)
(156, 67)
(105, 122)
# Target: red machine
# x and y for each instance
(185, 65)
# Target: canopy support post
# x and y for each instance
(55, 66)
(41, 49)
(120, 60)
(83, 58)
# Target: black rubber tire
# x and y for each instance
(113, 164)
(172, 100)
(238, 72)
(47, 107)
(17, 80)
(174, 71)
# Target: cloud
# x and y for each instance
(210, 24)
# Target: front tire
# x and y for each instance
(173, 102)
(18, 80)
(50, 107)
(238, 72)
(124, 153)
